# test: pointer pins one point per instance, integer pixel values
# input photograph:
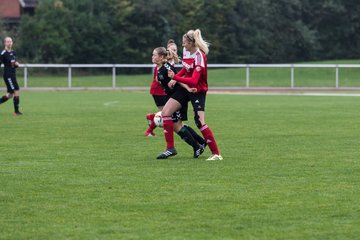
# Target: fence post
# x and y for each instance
(25, 77)
(247, 76)
(292, 76)
(69, 77)
(337, 76)
(114, 77)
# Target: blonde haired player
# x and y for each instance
(157, 91)
(194, 74)
(161, 58)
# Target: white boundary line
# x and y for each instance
(228, 91)
(107, 104)
(316, 94)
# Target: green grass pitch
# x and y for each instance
(77, 166)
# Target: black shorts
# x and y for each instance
(160, 100)
(11, 84)
(198, 101)
(181, 95)
(180, 114)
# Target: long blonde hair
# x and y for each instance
(196, 38)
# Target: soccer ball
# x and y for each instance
(158, 119)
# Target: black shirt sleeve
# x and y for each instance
(163, 76)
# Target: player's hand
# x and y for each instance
(171, 74)
(16, 64)
(171, 84)
(192, 90)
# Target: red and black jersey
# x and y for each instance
(156, 88)
(164, 79)
(8, 58)
(194, 72)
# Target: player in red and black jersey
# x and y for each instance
(8, 58)
(194, 73)
(160, 98)
(160, 57)
(158, 92)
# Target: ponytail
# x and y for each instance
(196, 38)
(200, 42)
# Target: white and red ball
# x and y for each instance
(158, 119)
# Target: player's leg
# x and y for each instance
(160, 101)
(186, 135)
(205, 130)
(150, 131)
(195, 135)
(13, 89)
(170, 107)
(198, 102)
(16, 101)
(10, 90)
(4, 98)
(186, 132)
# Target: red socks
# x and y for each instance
(152, 126)
(168, 131)
(209, 138)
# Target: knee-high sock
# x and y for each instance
(185, 135)
(210, 140)
(3, 99)
(196, 136)
(168, 131)
(16, 103)
(152, 125)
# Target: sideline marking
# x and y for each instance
(107, 104)
(333, 94)
(316, 94)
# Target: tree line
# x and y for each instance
(240, 31)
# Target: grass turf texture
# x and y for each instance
(77, 166)
(230, 77)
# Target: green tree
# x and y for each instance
(91, 32)
(288, 38)
(126, 31)
(143, 26)
(338, 29)
(45, 37)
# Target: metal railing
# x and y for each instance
(246, 66)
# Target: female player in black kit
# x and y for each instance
(8, 58)
(160, 56)
(158, 92)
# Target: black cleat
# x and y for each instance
(204, 145)
(199, 150)
(167, 153)
(18, 113)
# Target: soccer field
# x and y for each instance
(77, 166)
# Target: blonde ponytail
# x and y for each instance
(200, 42)
(196, 38)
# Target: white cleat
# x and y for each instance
(215, 157)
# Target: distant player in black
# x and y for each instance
(8, 58)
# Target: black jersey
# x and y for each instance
(164, 79)
(8, 58)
